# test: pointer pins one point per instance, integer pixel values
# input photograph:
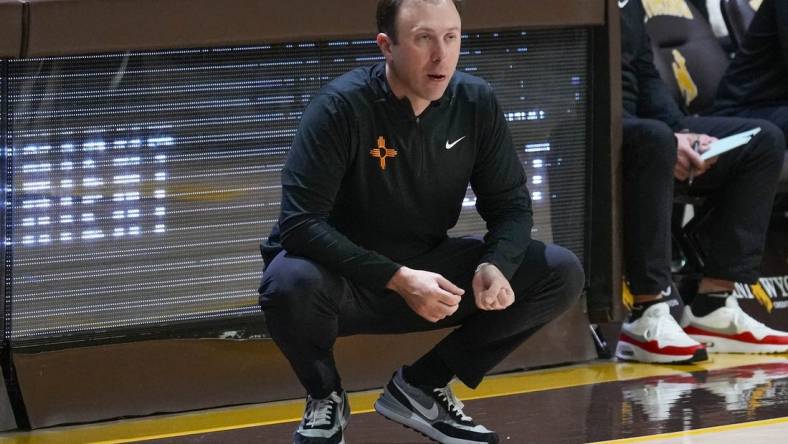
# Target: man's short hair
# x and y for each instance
(387, 15)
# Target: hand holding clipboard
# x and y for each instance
(720, 146)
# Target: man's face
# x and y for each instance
(425, 56)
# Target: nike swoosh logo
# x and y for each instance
(622, 3)
(451, 145)
(730, 330)
(431, 414)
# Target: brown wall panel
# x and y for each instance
(7, 420)
(497, 14)
(615, 135)
(10, 28)
(605, 267)
(141, 378)
(60, 27)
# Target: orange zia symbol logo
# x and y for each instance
(382, 153)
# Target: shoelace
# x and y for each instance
(454, 405)
(669, 326)
(319, 412)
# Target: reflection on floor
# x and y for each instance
(768, 431)
(720, 401)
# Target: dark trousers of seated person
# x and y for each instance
(777, 114)
(307, 307)
(740, 187)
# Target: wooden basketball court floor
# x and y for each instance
(730, 399)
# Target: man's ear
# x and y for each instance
(384, 43)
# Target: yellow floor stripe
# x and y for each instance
(696, 432)
(230, 418)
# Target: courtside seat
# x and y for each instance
(688, 56)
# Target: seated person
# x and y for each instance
(658, 153)
(376, 176)
(756, 82)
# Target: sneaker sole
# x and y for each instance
(389, 410)
(716, 344)
(632, 353)
(341, 441)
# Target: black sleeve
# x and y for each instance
(311, 179)
(502, 197)
(655, 101)
(781, 15)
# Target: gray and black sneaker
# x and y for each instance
(435, 413)
(324, 420)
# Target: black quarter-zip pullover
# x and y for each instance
(367, 184)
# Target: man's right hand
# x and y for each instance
(430, 295)
(687, 159)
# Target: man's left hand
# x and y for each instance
(491, 289)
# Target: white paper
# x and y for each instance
(729, 143)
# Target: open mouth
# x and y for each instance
(436, 76)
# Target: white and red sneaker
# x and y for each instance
(730, 329)
(657, 337)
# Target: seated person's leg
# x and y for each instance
(651, 333)
(741, 186)
(649, 153)
(778, 115)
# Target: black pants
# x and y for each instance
(307, 306)
(777, 114)
(741, 187)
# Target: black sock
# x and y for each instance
(705, 303)
(428, 371)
